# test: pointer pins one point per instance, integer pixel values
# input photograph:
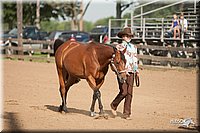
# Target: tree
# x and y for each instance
(74, 10)
(83, 11)
(121, 6)
(10, 14)
(103, 21)
(29, 13)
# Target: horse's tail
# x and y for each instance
(57, 43)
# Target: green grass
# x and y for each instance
(37, 57)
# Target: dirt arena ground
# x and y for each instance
(31, 100)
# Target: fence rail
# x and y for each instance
(30, 41)
(169, 59)
(28, 47)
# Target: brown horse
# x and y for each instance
(90, 61)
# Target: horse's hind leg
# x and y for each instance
(63, 96)
(62, 90)
(70, 81)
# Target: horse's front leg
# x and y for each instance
(96, 95)
(102, 114)
(95, 84)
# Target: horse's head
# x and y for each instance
(118, 64)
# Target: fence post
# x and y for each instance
(48, 55)
(9, 47)
(101, 38)
(162, 33)
(143, 32)
(19, 25)
(147, 61)
(141, 12)
(29, 52)
(182, 34)
(109, 30)
(195, 6)
(197, 58)
(126, 22)
(169, 56)
(49, 48)
(147, 49)
(132, 20)
(140, 53)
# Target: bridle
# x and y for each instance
(115, 68)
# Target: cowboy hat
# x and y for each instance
(126, 31)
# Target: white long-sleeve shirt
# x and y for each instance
(130, 55)
(184, 23)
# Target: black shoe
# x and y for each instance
(127, 117)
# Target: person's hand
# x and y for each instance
(127, 73)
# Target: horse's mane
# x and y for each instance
(112, 46)
(57, 44)
(103, 44)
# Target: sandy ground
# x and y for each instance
(31, 100)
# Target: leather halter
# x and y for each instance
(114, 67)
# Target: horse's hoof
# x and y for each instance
(92, 114)
(101, 116)
(61, 110)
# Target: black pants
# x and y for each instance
(126, 90)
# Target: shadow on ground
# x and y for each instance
(11, 121)
(78, 111)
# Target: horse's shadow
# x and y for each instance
(70, 110)
(79, 111)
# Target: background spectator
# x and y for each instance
(175, 26)
(183, 23)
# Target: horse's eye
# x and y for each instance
(117, 63)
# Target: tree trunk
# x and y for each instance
(38, 14)
(118, 10)
(81, 19)
(19, 24)
(118, 13)
(74, 24)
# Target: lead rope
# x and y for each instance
(137, 80)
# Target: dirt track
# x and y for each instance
(31, 99)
